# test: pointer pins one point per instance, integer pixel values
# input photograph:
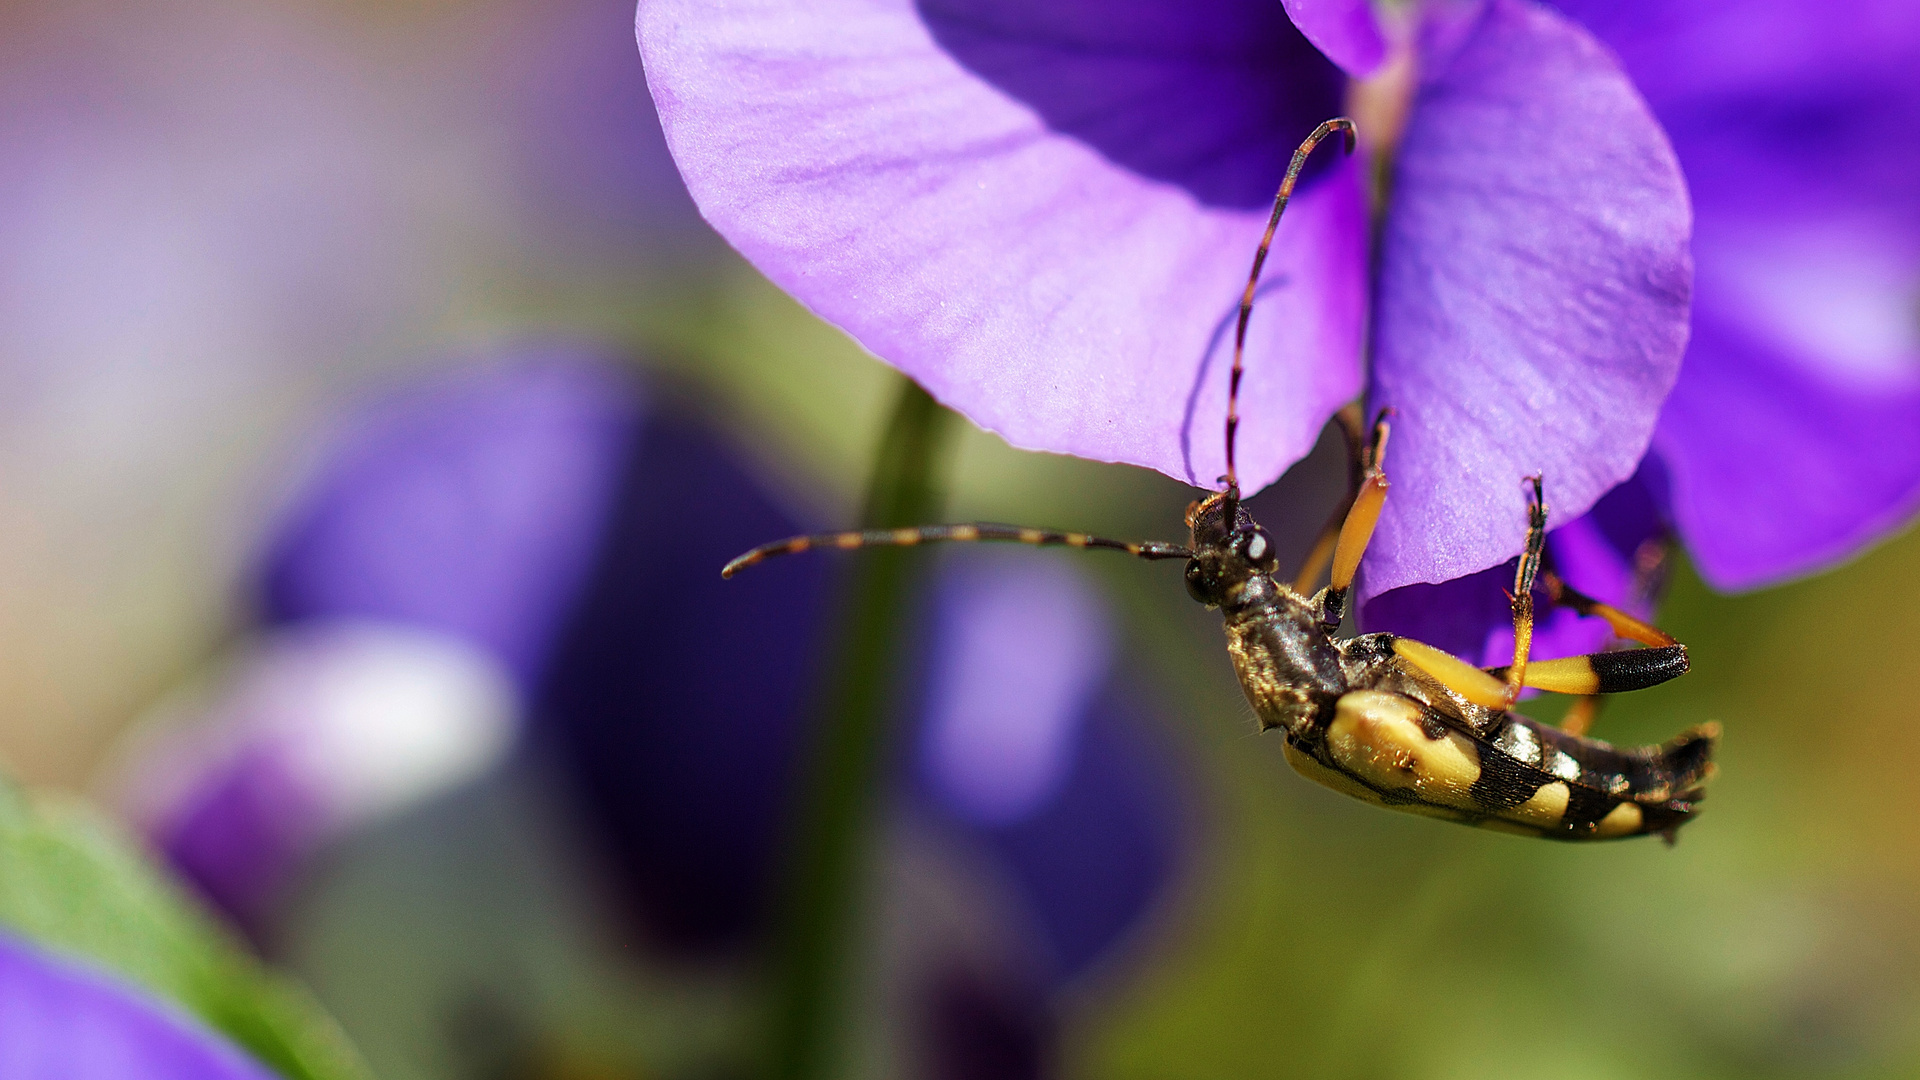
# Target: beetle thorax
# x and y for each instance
(1289, 667)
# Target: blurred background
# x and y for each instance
(374, 413)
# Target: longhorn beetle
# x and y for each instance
(1387, 719)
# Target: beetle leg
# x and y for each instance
(1602, 672)
(1648, 574)
(1623, 624)
(1516, 674)
(1320, 554)
(1356, 528)
(1581, 714)
(1480, 687)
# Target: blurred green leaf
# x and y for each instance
(72, 881)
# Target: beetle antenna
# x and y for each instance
(965, 534)
(1340, 124)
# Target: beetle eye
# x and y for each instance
(1197, 584)
(1256, 547)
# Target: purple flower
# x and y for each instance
(535, 546)
(411, 594)
(1031, 742)
(62, 1021)
(1793, 435)
(321, 728)
(1792, 438)
(1045, 214)
(1616, 552)
(468, 505)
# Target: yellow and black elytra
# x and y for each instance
(1387, 719)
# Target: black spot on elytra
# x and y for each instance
(1585, 810)
(1504, 782)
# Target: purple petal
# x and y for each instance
(679, 766)
(1778, 467)
(1533, 291)
(244, 837)
(1793, 434)
(1597, 554)
(1030, 743)
(1093, 861)
(1602, 553)
(1681, 52)
(675, 700)
(1043, 215)
(1346, 30)
(62, 1021)
(325, 728)
(1464, 616)
(470, 505)
(1023, 647)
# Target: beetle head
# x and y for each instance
(1226, 553)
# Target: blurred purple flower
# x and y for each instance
(694, 811)
(1792, 438)
(319, 729)
(1030, 741)
(469, 505)
(414, 588)
(62, 1021)
(1045, 213)
(552, 535)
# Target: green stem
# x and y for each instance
(817, 955)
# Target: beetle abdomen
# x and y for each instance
(1519, 776)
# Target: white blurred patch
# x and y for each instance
(1023, 647)
(365, 718)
